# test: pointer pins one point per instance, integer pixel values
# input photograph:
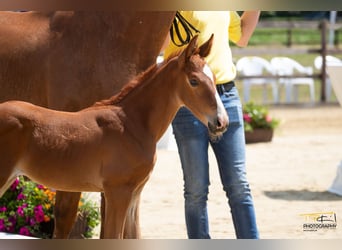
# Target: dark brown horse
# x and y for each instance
(109, 147)
(69, 60)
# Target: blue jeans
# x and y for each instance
(193, 141)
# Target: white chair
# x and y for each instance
(285, 66)
(259, 67)
(318, 65)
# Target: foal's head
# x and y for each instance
(197, 88)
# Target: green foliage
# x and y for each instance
(91, 215)
(257, 116)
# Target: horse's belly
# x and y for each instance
(67, 177)
(65, 183)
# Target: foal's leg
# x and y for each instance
(117, 203)
(65, 213)
(132, 225)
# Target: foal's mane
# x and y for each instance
(134, 83)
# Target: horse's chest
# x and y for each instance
(129, 164)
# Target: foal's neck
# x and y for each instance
(154, 103)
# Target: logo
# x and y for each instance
(319, 221)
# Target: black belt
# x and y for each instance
(225, 87)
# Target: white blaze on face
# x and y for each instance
(207, 71)
(221, 111)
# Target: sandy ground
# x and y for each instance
(289, 177)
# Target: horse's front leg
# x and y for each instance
(132, 225)
(65, 213)
(117, 202)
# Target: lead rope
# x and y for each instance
(188, 27)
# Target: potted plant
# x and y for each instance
(258, 123)
(26, 208)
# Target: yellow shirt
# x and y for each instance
(225, 25)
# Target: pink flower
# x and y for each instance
(39, 213)
(38, 208)
(15, 184)
(21, 196)
(24, 231)
(39, 217)
(40, 186)
(32, 222)
(247, 118)
(12, 219)
(2, 225)
(3, 209)
(20, 211)
(11, 225)
(268, 118)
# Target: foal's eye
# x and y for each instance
(193, 82)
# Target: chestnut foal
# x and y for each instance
(109, 147)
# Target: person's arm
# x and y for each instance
(249, 21)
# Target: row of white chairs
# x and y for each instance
(284, 68)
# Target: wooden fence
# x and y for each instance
(288, 26)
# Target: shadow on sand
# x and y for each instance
(302, 195)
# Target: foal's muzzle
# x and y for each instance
(218, 124)
(217, 128)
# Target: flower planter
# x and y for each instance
(259, 135)
(258, 123)
(80, 227)
(78, 231)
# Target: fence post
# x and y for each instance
(289, 38)
(323, 51)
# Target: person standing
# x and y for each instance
(192, 136)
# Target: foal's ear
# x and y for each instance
(189, 50)
(205, 48)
